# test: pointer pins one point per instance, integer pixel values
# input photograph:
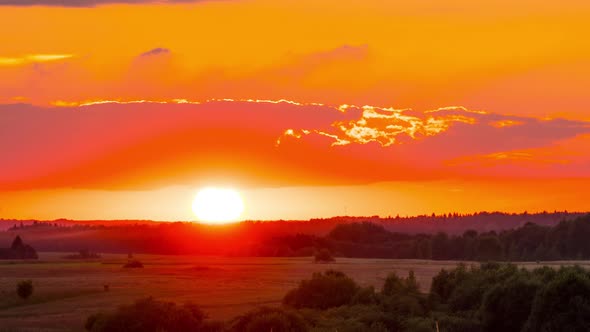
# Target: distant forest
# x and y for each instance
(568, 240)
(482, 236)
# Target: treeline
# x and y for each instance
(454, 223)
(350, 237)
(450, 223)
(567, 240)
(488, 298)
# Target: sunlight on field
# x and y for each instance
(67, 291)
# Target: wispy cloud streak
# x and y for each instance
(88, 3)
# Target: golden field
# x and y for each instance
(68, 290)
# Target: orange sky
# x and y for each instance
(359, 107)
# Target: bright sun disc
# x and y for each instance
(218, 205)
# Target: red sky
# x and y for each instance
(124, 109)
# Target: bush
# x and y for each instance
(378, 327)
(365, 295)
(445, 282)
(354, 318)
(269, 319)
(420, 324)
(322, 291)
(506, 306)
(133, 263)
(396, 286)
(24, 289)
(469, 294)
(501, 297)
(463, 289)
(562, 305)
(149, 315)
(323, 256)
(457, 324)
(405, 305)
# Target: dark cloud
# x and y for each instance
(87, 3)
(156, 51)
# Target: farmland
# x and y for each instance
(67, 291)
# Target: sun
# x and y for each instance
(214, 205)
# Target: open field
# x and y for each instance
(67, 291)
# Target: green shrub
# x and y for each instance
(405, 305)
(322, 291)
(420, 324)
(450, 323)
(355, 318)
(562, 305)
(506, 306)
(269, 319)
(463, 289)
(24, 289)
(445, 282)
(365, 295)
(149, 315)
(378, 327)
(396, 286)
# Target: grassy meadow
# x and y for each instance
(67, 290)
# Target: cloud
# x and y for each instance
(162, 73)
(143, 144)
(155, 51)
(33, 58)
(389, 127)
(87, 3)
(568, 157)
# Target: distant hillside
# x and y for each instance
(451, 223)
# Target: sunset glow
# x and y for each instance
(218, 205)
(401, 103)
(294, 165)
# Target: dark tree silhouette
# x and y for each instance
(506, 306)
(149, 315)
(24, 289)
(563, 305)
(323, 256)
(269, 319)
(322, 291)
